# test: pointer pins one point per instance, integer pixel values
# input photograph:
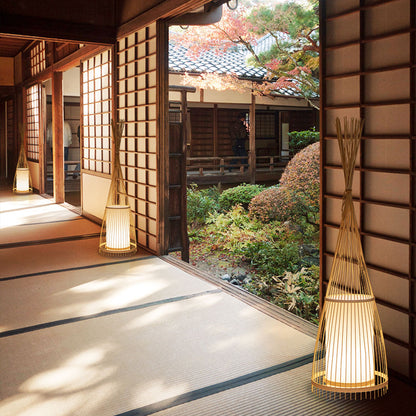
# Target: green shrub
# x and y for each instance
(298, 140)
(297, 196)
(274, 256)
(233, 230)
(200, 204)
(239, 195)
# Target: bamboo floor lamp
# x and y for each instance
(22, 183)
(118, 235)
(350, 355)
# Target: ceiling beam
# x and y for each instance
(167, 8)
(56, 30)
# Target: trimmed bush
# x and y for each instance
(297, 194)
(239, 195)
(200, 204)
(298, 140)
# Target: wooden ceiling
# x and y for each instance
(10, 47)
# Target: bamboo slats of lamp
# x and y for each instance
(22, 183)
(350, 356)
(118, 235)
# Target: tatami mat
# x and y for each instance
(141, 356)
(82, 292)
(86, 335)
(48, 231)
(286, 393)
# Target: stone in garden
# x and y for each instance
(226, 277)
(235, 282)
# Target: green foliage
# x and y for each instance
(239, 195)
(200, 204)
(273, 257)
(280, 257)
(233, 230)
(297, 196)
(298, 140)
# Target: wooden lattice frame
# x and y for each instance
(96, 108)
(136, 104)
(33, 122)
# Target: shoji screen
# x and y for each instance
(368, 70)
(32, 122)
(136, 104)
(96, 113)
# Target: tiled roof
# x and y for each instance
(233, 61)
(227, 63)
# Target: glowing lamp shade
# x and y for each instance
(22, 180)
(349, 341)
(118, 227)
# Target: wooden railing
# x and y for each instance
(229, 164)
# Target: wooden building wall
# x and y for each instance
(137, 105)
(368, 70)
(210, 129)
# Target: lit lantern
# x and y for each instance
(118, 227)
(350, 355)
(118, 235)
(22, 182)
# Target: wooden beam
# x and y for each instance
(252, 140)
(67, 63)
(167, 8)
(56, 30)
(58, 138)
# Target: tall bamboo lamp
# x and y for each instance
(350, 355)
(118, 235)
(22, 183)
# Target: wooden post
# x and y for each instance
(222, 166)
(252, 140)
(162, 133)
(42, 138)
(58, 138)
(215, 130)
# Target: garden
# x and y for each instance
(264, 239)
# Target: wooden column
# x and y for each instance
(58, 138)
(42, 137)
(3, 138)
(252, 140)
(162, 133)
(215, 130)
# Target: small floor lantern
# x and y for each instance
(350, 355)
(118, 235)
(22, 182)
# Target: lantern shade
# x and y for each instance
(118, 227)
(118, 234)
(349, 339)
(22, 180)
(350, 354)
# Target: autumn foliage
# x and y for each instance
(291, 61)
(297, 195)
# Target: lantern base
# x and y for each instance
(122, 252)
(371, 389)
(29, 191)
